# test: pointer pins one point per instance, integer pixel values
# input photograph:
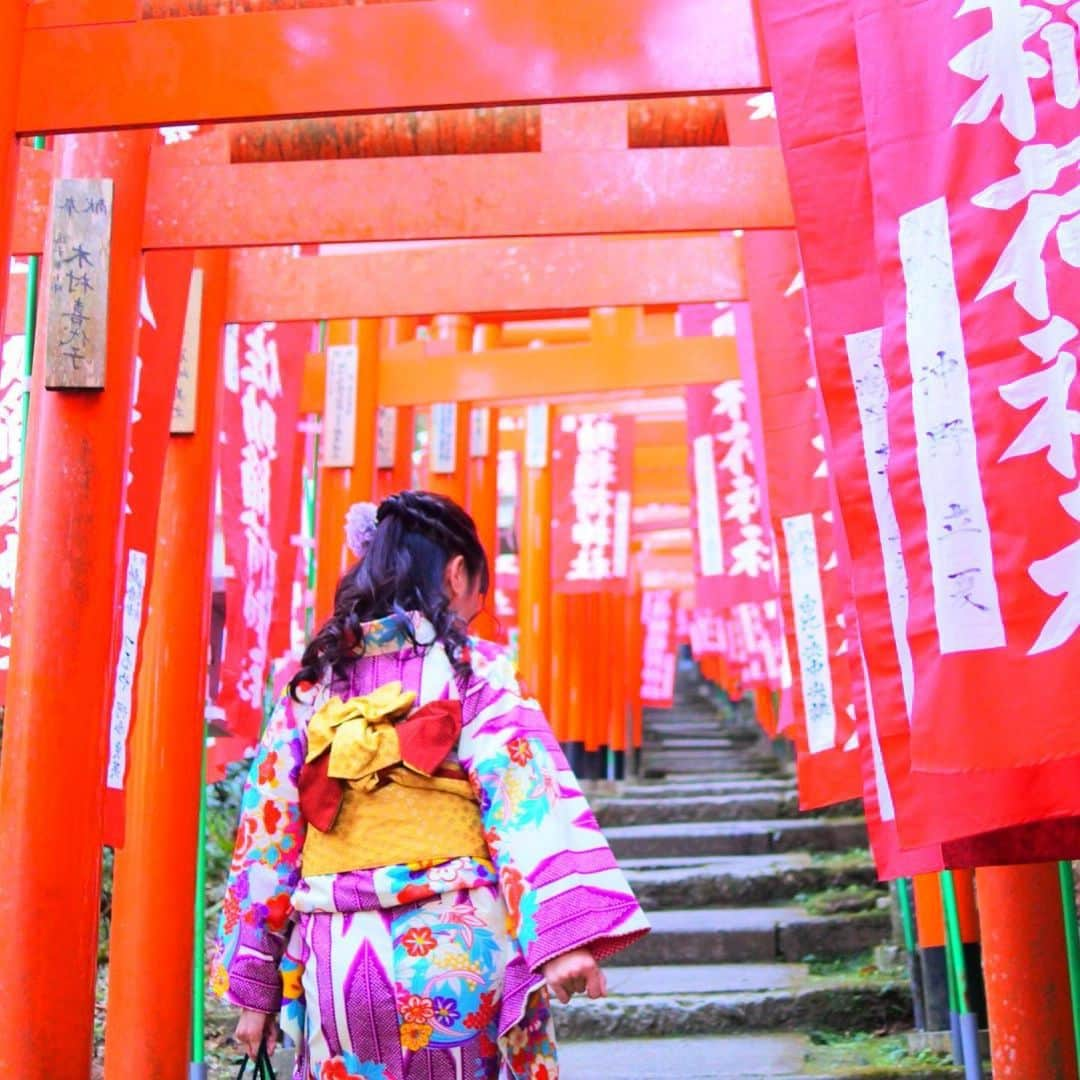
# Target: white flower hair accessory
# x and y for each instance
(360, 526)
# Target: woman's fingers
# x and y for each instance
(562, 994)
(596, 983)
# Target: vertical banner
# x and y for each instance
(825, 149)
(978, 255)
(658, 648)
(11, 395)
(592, 474)
(263, 373)
(162, 311)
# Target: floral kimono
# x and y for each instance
(429, 969)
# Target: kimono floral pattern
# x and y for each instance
(422, 969)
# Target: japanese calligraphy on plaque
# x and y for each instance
(386, 437)
(76, 329)
(339, 414)
(187, 378)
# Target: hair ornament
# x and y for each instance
(360, 523)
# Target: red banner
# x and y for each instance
(11, 394)
(825, 152)
(166, 278)
(658, 620)
(978, 251)
(591, 477)
(263, 372)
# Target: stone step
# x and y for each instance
(708, 999)
(732, 784)
(774, 1056)
(713, 763)
(752, 935)
(736, 837)
(711, 741)
(737, 880)
(653, 811)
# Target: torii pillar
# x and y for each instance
(12, 20)
(52, 773)
(146, 1033)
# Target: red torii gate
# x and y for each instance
(151, 71)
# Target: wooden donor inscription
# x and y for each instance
(76, 329)
(386, 437)
(339, 415)
(444, 421)
(480, 432)
(187, 379)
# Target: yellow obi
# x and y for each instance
(390, 814)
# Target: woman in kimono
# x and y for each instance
(416, 867)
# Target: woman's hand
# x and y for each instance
(252, 1028)
(575, 972)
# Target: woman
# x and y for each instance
(416, 867)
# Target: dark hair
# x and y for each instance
(403, 569)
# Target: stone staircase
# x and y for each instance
(760, 919)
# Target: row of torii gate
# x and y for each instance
(624, 197)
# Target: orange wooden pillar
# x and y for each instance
(68, 584)
(448, 439)
(395, 424)
(344, 475)
(535, 558)
(617, 741)
(933, 959)
(595, 689)
(560, 675)
(11, 44)
(147, 1033)
(635, 643)
(362, 473)
(576, 666)
(1026, 972)
(483, 478)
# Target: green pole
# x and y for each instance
(1072, 945)
(198, 1070)
(33, 272)
(907, 916)
(968, 1026)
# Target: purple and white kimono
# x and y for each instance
(423, 971)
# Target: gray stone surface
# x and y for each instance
(848, 1005)
(736, 807)
(736, 879)
(751, 935)
(685, 1059)
(737, 837)
(704, 978)
(744, 785)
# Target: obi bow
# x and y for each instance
(352, 742)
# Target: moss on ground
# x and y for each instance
(879, 1055)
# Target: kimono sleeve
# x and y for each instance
(559, 880)
(257, 908)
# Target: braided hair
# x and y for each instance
(417, 533)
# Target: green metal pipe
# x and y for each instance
(954, 941)
(1072, 946)
(30, 332)
(907, 916)
(198, 1069)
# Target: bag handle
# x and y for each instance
(263, 1067)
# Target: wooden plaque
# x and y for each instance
(444, 420)
(386, 422)
(480, 432)
(187, 378)
(339, 414)
(76, 326)
(537, 436)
